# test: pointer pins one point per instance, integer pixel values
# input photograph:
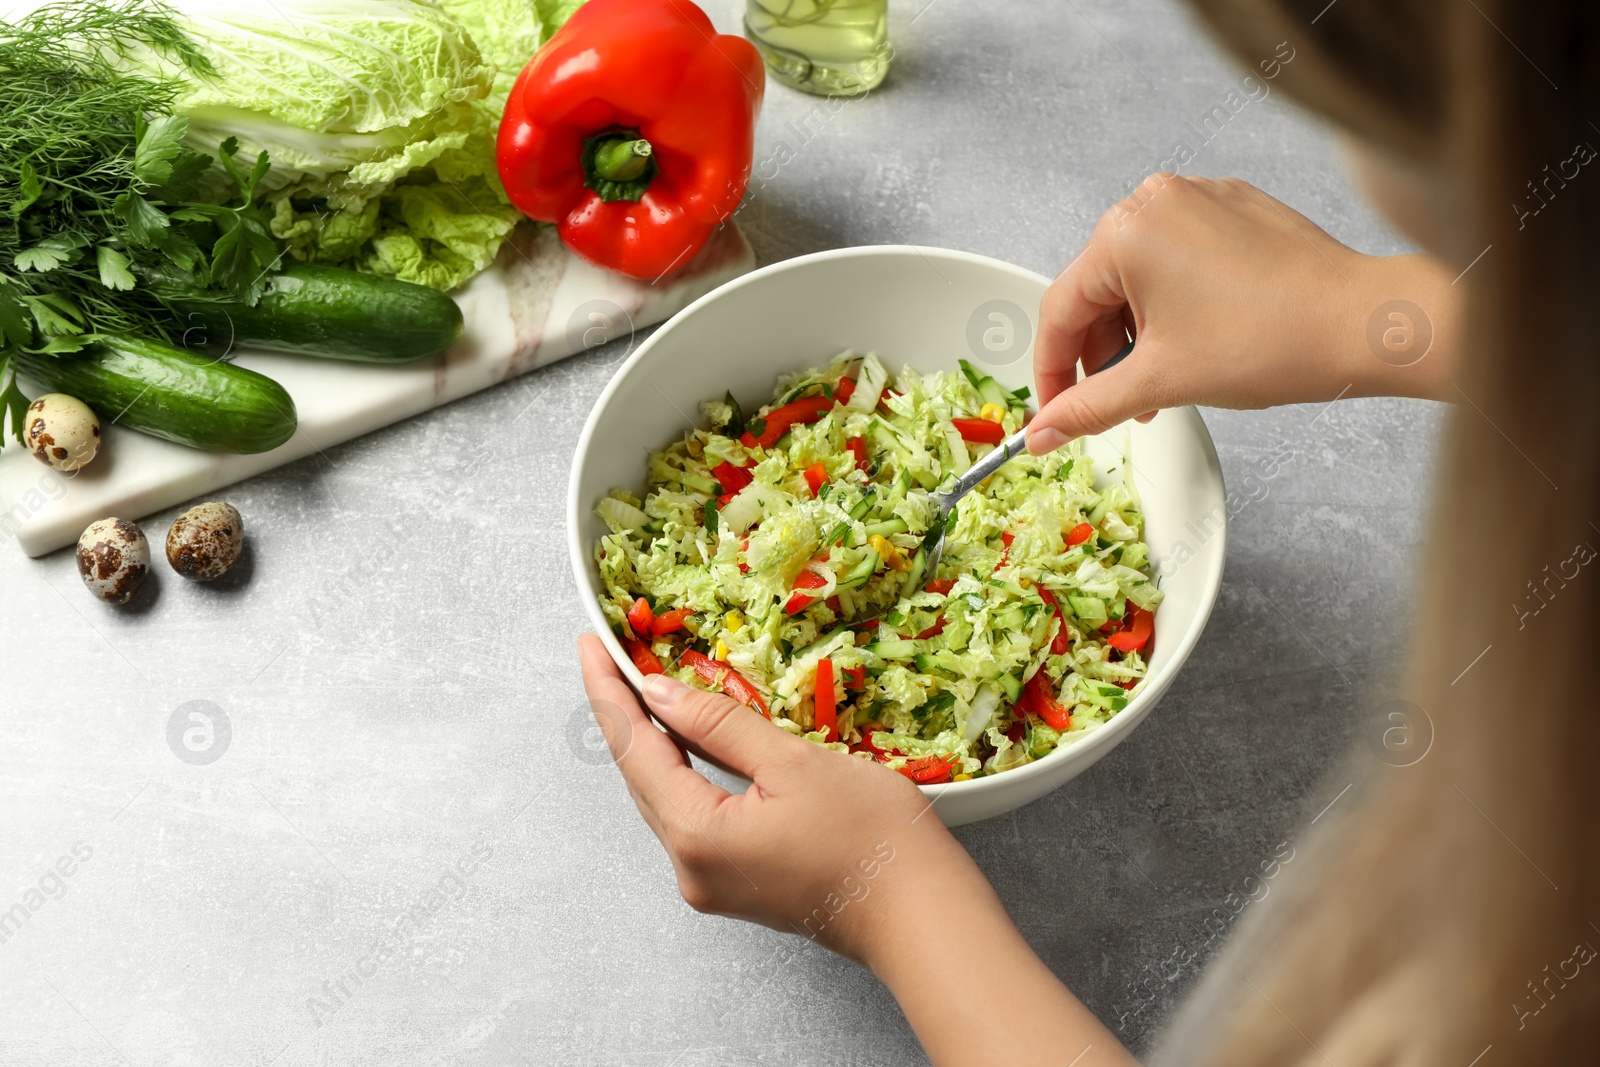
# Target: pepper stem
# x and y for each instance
(622, 161)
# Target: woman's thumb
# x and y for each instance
(1092, 405)
(718, 727)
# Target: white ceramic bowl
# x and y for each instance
(925, 307)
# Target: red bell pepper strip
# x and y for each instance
(1058, 644)
(933, 631)
(799, 600)
(643, 658)
(855, 677)
(1079, 534)
(858, 449)
(775, 423)
(827, 708)
(844, 390)
(866, 743)
(979, 431)
(929, 770)
(641, 618)
(942, 586)
(670, 622)
(1006, 537)
(816, 477)
(731, 478)
(716, 673)
(1138, 634)
(1040, 699)
(632, 130)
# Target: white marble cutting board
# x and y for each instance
(538, 304)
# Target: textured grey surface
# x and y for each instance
(395, 661)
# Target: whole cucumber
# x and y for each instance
(183, 396)
(316, 310)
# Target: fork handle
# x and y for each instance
(1009, 449)
(1003, 453)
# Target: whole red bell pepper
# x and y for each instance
(632, 130)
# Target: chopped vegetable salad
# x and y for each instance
(776, 557)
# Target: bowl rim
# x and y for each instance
(1106, 736)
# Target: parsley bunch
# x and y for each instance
(104, 213)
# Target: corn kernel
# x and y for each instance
(733, 621)
(961, 778)
(992, 412)
(721, 650)
(889, 552)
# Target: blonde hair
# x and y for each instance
(1453, 912)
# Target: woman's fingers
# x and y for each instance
(1094, 405)
(656, 769)
(725, 730)
(1081, 318)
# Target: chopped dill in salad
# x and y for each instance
(765, 545)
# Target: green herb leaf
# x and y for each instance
(114, 272)
(13, 401)
(28, 188)
(54, 314)
(50, 253)
(180, 250)
(67, 342)
(143, 220)
(160, 142)
(187, 170)
(16, 328)
(39, 258)
(736, 427)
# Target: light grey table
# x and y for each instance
(406, 855)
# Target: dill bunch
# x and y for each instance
(104, 213)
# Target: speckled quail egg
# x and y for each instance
(205, 541)
(61, 430)
(113, 558)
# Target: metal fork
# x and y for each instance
(933, 541)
